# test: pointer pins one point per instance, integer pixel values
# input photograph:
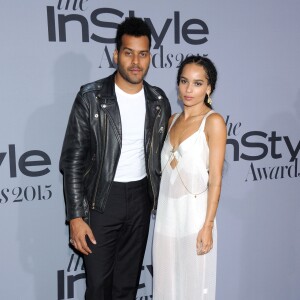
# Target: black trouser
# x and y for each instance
(113, 269)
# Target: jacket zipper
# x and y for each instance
(100, 170)
(151, 145)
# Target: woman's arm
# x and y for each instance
(215, 131)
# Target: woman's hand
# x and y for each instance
(204, 240)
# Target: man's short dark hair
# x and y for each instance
(135, 27)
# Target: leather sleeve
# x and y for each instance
(74, 152)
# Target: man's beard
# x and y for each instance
(132, 79)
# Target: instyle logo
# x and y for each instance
(32, 158)
(256, 145)
(66, 279)
(69, 278)
(94, 26)
(32, 163)
(147, 275)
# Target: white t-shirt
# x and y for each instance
(131, 166)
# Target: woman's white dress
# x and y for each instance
(178, 272)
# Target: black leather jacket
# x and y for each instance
(93, 141)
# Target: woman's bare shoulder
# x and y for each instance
(215, 122)
(215, 118)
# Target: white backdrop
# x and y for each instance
(49, 48)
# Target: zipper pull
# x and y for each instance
(153, 213)
(161, 129)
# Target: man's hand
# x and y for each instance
(78, 231)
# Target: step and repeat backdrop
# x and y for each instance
(50, 48)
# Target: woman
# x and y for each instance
(184, 246)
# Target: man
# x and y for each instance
(111, 165)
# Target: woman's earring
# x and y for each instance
(209, 100)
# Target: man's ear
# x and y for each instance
(115, 56)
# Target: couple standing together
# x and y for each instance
(123, 156)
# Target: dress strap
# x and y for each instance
(202, 126)
(173, 121)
